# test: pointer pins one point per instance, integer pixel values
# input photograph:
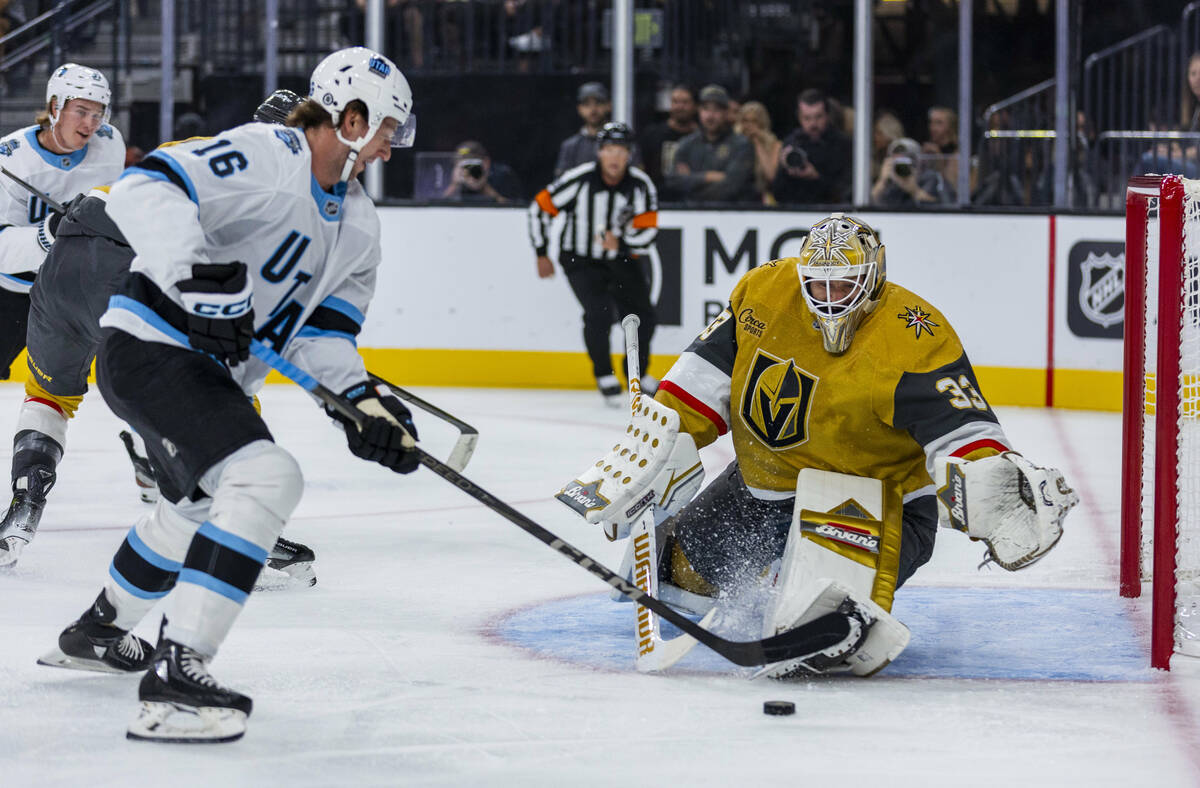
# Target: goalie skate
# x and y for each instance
(181, 703)
(830, 660)
(93, 643)
(290, 563)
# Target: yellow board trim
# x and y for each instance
(1080, 389)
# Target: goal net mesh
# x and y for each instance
(1187, 422)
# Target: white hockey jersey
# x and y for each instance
(248, 195)
(61, 177)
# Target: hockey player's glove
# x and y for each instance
(1015, 507)
(388, 435)
(48, 229)
(220, 310)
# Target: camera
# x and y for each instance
(473, 168)
(796, 159)
(902, 166)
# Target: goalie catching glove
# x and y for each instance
(387, 436)
(1014, 506)
(652, 464)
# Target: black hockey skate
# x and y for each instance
(293, 560)
(143, 472)
(183, 704)
(24, 513)
(93, 643)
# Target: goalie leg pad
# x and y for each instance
(831, 564)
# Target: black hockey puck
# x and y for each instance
(779, 708)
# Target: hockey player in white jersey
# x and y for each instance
(260, 232)
(87, 261)
(70, 149)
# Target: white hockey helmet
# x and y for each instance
(845, 256)
(361, 74)
(73, 81)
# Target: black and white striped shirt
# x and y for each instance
(629, 209)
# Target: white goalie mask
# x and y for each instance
(73, 81)
(361, 74)
(842, 274)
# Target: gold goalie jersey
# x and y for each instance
(902, 395)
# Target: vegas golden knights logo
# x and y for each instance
(776, 401)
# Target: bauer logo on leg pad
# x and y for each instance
(583, 498)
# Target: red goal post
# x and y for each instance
(1160, 463)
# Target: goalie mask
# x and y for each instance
(842, 274)
(358, 73)
(72, 81)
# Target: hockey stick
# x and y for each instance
(653, 653)
(468, 436)
(54, 204)
(817, 635)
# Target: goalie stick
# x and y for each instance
(821, 633)
(468, 436)
(653, 653)
(54, 204)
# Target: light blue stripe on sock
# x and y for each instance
(196, 577)
(233, 542)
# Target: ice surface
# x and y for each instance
(444, 646)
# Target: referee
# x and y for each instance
(610, 219)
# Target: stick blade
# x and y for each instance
(817, 635)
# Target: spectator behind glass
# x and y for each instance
(478, 179)
(943, 141)
(814, 162)
(660, 140)
(713, 163)
(594, 107)
(887, 128)
(754, 123)
(1190, 106)
(903, 181)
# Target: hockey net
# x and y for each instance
(1160, 506)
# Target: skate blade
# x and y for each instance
(10, 551)
(301, 575)
(56, 658)
(171, 723)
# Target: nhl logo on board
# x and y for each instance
(1102, 288)
(1095, 291)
